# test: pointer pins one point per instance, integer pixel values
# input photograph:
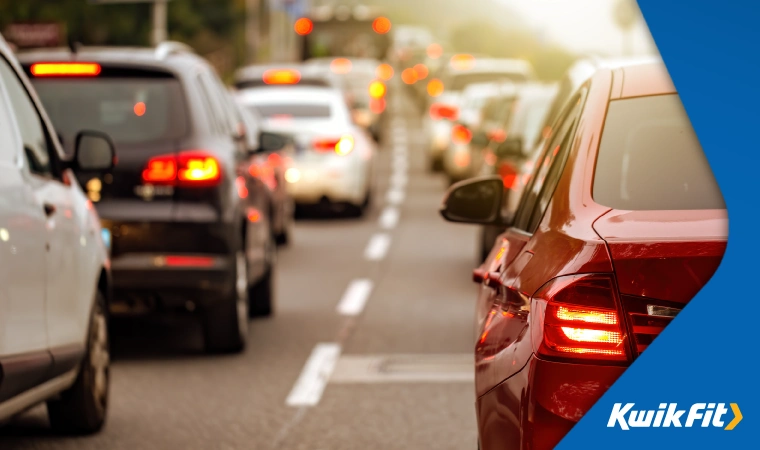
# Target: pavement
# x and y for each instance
(370, 346)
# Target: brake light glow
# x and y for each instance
(460, 134)
(440, 111)
(579, 321)
(195, 167)
(377, 105)
(341, 66)
(78, 69)
(342, 145)
(187, 169)
(435, 87)
(160, 170)
(434, 51)
(377, 89)
(139, 109)
(384, 72)
(409, 76)
(189, 261)
(303, 26)
(275, 76)
(381, 25)
(462, 62)
(422, 71)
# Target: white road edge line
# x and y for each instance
(389, 218)
(377, 247)
(355, 297)
(315, 374)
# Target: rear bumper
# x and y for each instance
(536, 407)
(336, 184)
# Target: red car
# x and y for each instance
(621, 224)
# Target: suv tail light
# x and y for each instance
(576, 317)
(460, 134)
(194, 168)
(342, 145)
(440, 111)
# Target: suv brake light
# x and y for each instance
(192, 168)
(440, 111)
(460, 134)
(576, 317)
(66, 69)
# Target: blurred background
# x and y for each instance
(231, 33)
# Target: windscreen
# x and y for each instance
(293, 111)
(650, 159)
(461, 81)
(129, 110)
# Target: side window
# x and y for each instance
(30, 125)
(548, 170)
(8, 144)
(210, 110)
(220, 107)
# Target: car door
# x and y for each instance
(54, 190)
(24, 355)
(499, 352)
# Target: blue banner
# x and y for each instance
(699, 377)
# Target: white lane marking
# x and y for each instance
(355, 297)
(389, 218)
(399, 180)
(377, 247)
(395, 196)
(315, 374)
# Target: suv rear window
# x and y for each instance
(295, 111)
(650, 159)
(130, 110)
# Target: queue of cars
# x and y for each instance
(134, 183)
(616, 224)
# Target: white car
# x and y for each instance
(334, 157)
(462, 71)
(54, 266)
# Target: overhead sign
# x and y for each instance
(40, 34)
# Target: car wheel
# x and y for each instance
(81, 409)
(226, 324)
(261, 295)
(283, 237)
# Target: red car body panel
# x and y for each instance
(655, 257)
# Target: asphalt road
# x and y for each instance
(369, 348)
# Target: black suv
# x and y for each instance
(190, 230)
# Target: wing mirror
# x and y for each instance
(477, 201)
(93, 152)
(510, 148)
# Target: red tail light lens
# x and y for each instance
(508, 175)
(576, 318)
(274, 76)
(160, 170)
(188, 169)
(342, 145)
(440, 111)
(460, 134)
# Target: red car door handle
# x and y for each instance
(49, 209)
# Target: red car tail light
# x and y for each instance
(440, 111)
(460, 134)
(342, 145)
(192, 168)
(160, 170)
(576, 317)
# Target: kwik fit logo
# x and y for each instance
(669, 415)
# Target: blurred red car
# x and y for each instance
(621, 224)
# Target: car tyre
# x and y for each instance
(82, 408)
(226, 324)
(261, 296)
